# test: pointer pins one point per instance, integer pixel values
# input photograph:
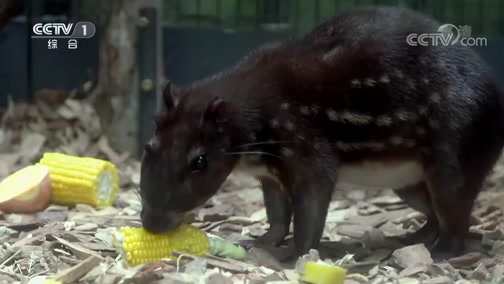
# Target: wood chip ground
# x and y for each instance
(73, 245)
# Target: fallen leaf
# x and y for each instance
(74, 273)
(412, 255)
(413, 269)
(465, 260)
(31, 145)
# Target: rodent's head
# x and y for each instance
(186, 161)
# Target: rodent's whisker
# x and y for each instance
(265, 142)
(254, 153)
(137, 191)
(136, 186)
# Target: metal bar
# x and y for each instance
(258, 16)
(462, 11)
(481, 21)
(198, 12)
(29, 48)
(276, 11)
(285, 11)
(237, 13)
(148, 58)
(501, 18)
(218, 12)
(269, 11)
(177, 11)
(297, 14)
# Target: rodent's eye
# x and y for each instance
(200, 163)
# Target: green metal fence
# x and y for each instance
(486, 17)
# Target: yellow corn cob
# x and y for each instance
(81, 180)
(139, 246)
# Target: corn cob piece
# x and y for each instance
(83, 180)
(137, 246)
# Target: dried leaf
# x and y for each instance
(74, 273)
(412, 255)
(31, 145)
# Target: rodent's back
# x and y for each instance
(355, 81)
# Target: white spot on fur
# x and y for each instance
(409, 143)
(287, 152)
(405, 115)
(370, 82)
(304, 110)
(332, 114)
(411, 83)
(425, 81)
(349, 117)
(399, 74)
(275, 123)
(343, 146)
(423, 110)
(356, 118)
(435, 98)
(384, 120)
(355, 83)
(285, 106)
(315, 109)
(384, 79)
(396, 140)
(381, 174)
(289, 125)
(331, 54)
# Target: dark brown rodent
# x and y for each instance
(349, 102)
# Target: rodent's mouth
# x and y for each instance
(162, 224)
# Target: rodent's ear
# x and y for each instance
(217, 111)
(170, 97)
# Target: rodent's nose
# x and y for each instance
(148, 148)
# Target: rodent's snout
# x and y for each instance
(159, 223)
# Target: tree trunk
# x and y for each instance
(8, 9)
(116, 99)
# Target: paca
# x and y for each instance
(349, 102)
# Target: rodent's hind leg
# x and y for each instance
(417, 197)
(278, 212)
(446, 185)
